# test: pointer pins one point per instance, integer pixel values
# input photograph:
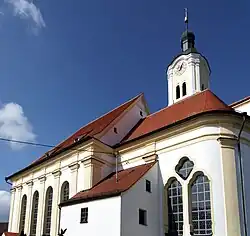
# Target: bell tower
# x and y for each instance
(189, 72)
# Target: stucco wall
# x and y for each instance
(104, 218)
(137, 198)
(245, 152)
(244, 107)
(201, 147)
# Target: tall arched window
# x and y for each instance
(48, 211)
(201, 205)
(34, 214)
(178, 92)
(23, 213)
(175, 208)
(184, 89)
(65, 191)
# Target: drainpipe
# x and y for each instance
(6, 180)
(241, 175)
(59, 220)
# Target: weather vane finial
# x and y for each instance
(186, 18)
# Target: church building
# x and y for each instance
(179, 171)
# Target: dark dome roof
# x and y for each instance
(188, 35)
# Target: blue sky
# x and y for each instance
(64, 63)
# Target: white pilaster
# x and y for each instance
(170, 88)
(185, 199)
(73, 182)
(56, 199)
(29, 208)
(18, 207)
(197, 76)
(40, 216)
(11, 219)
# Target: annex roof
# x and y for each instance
(110, 186)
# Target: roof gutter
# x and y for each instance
(242, 186)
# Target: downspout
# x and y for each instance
(59, 220)
(241, 176)
(6, 180)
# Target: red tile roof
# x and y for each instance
(109, 186)
(234, 104)
(93, 128)
(193, 105)
(10, 234)
(90, 130)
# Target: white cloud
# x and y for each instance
(15, 125)
(26, 9)
(4, 205)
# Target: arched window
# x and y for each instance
(184, 167)
(178, 92)
(184, 89)
(65, 191)
(175, 208)
(48, 211)
(23, 213)
(34, 214)
(201, 205)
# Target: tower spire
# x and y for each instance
(186, 18)
(188, 37)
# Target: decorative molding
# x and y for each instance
(30, 183)
(19, 188)
(227, 142)
(13, 190)
(42, 179)
(90, 161)
(56, 173)
(74, 166)
(150, 158)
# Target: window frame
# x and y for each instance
(148, 186)
(184, 89)
(34, 213)
(178, 92)
(206, 188)
(64, 185)
(48, 211)
(144, 220)
(84, 217)
(23, 213)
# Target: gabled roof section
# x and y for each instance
(240, 102)
(88, 131)
(95, 127)
(109, 186)
(193, 105)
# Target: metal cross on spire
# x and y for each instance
(186, 18)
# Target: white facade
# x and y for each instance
(104, 216)
(243, 106)
(191, 70)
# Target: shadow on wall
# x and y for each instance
(3, 227)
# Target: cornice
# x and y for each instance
(42, 179)
(201, 120)
(74, 166)
(56, 173)
(227, 142)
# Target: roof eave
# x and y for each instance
(72, 201)
(47, 159)
(177, 123)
